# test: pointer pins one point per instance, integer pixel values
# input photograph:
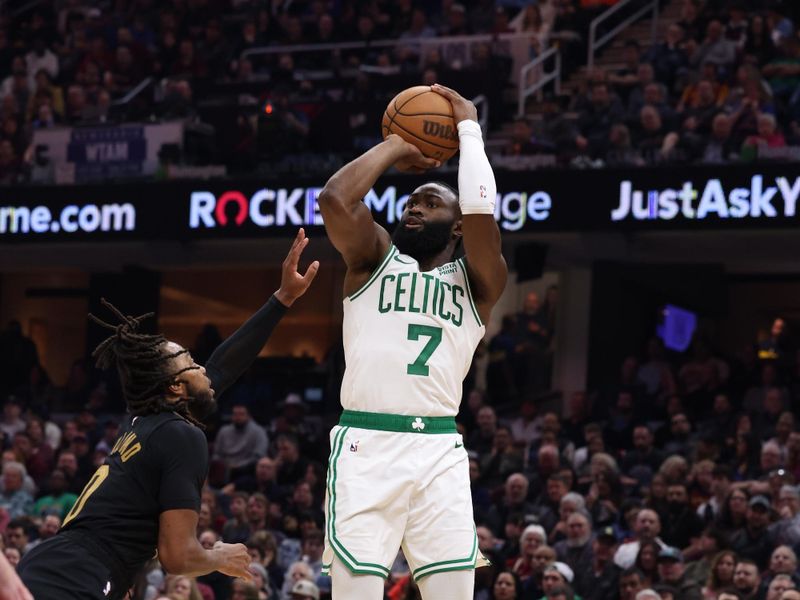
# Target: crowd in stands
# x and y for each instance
(676, 482)
(722, 86)
(70, 62)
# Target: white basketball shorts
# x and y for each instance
(399, 481)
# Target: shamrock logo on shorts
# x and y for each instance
(418, 424)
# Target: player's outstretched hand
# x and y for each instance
(235, 560)
(11, 587)
(293, 284)
(463, 109)
(411, 160)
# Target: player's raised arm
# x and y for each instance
(348, 221)
(477, 192)
(237, 353)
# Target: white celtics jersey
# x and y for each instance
(409, 338)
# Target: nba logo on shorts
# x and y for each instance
(354, 446)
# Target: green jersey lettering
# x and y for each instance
(384, 308)
(399, 291)
(444, 313)
(458, 291)
(397, 294)
(413, 293)
(428, 278)
(436, 283)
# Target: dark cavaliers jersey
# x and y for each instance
(158, 463)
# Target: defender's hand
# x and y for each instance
(235, 560)
(293, 284)
(463, 109)
(410, 159)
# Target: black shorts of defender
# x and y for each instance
(60, 569)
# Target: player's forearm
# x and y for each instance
(238, 352)
(477, 189)
(350, 184)
(196, 561)
(477, 192)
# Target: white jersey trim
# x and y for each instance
(389, 253)
(460, 261)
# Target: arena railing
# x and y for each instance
(595, 44)
(135, 91)
(120, 109)
(18, 11)
(515, 44)
(535, 70)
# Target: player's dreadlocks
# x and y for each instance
(143, 365)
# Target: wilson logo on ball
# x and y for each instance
(422, 118)
(446, 132)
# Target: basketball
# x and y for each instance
(425, 119)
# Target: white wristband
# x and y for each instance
(477, 190)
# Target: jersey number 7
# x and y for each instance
(420, 366)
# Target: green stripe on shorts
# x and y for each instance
(397, 423)
(458, 564)
(344, 555)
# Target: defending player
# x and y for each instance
(413, 316)
(146, 495)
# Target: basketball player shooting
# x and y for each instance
(413, 316)
(146, 495)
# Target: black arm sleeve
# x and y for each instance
(238, 352)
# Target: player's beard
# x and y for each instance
(429, 240)
(202, 404)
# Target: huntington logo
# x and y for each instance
(418, 425)
(446, 132)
